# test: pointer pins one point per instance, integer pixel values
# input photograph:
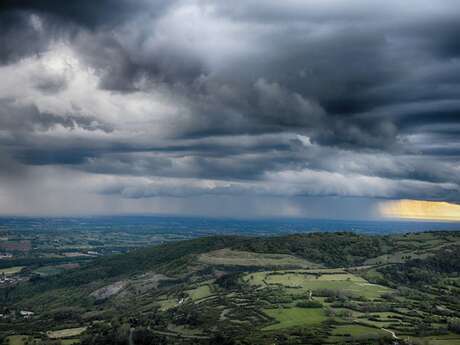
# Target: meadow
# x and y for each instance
(302, 281)
(294, 317)
(229, 257)
(66, 333)
(11, 270)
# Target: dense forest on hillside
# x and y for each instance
(338, 249)
(444, 263)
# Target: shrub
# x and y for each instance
(309, 304)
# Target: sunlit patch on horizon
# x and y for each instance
(419, 209)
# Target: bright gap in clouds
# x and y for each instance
(418, 209)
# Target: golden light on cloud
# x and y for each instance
(418, 209)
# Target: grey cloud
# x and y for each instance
(28, 118)
(307, 184)
(25, 122)
(88, 13)
(50, 84)
(348, 93)
(19, 37)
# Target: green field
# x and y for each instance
(228, 257)
(357, 331)
(166, 304)
(11, 270)
(70, 341)
(66, 333)
(451, 339)
(444, 342)
(183, 330)
(300, 282)
(48, 271)
(255, 279)
(17, 339)
(294, 317)
(24, 340)
(200, 292)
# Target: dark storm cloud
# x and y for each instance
(85, 12)
(121, 65)
(301, 98)
(28, 26)
(24, 123)
(239, 167)
(19, 38)
(20, 119)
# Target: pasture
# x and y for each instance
(448, 339)
(200, 292)
(301, 281)
(294, 317)
(71, 341)
(444, 342)
(228, 257)
(11, 270)
(47, 271)
(17, 339)
(65, 333)
(357, 331)
(166, 304)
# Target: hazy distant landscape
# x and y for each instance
(202, 225)
(55, 242)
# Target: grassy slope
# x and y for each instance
(293, 317)
(302, 283)
(228, 257)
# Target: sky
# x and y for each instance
(295, 108)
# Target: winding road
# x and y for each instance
(393, 334)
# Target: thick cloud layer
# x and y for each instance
(137, 104)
